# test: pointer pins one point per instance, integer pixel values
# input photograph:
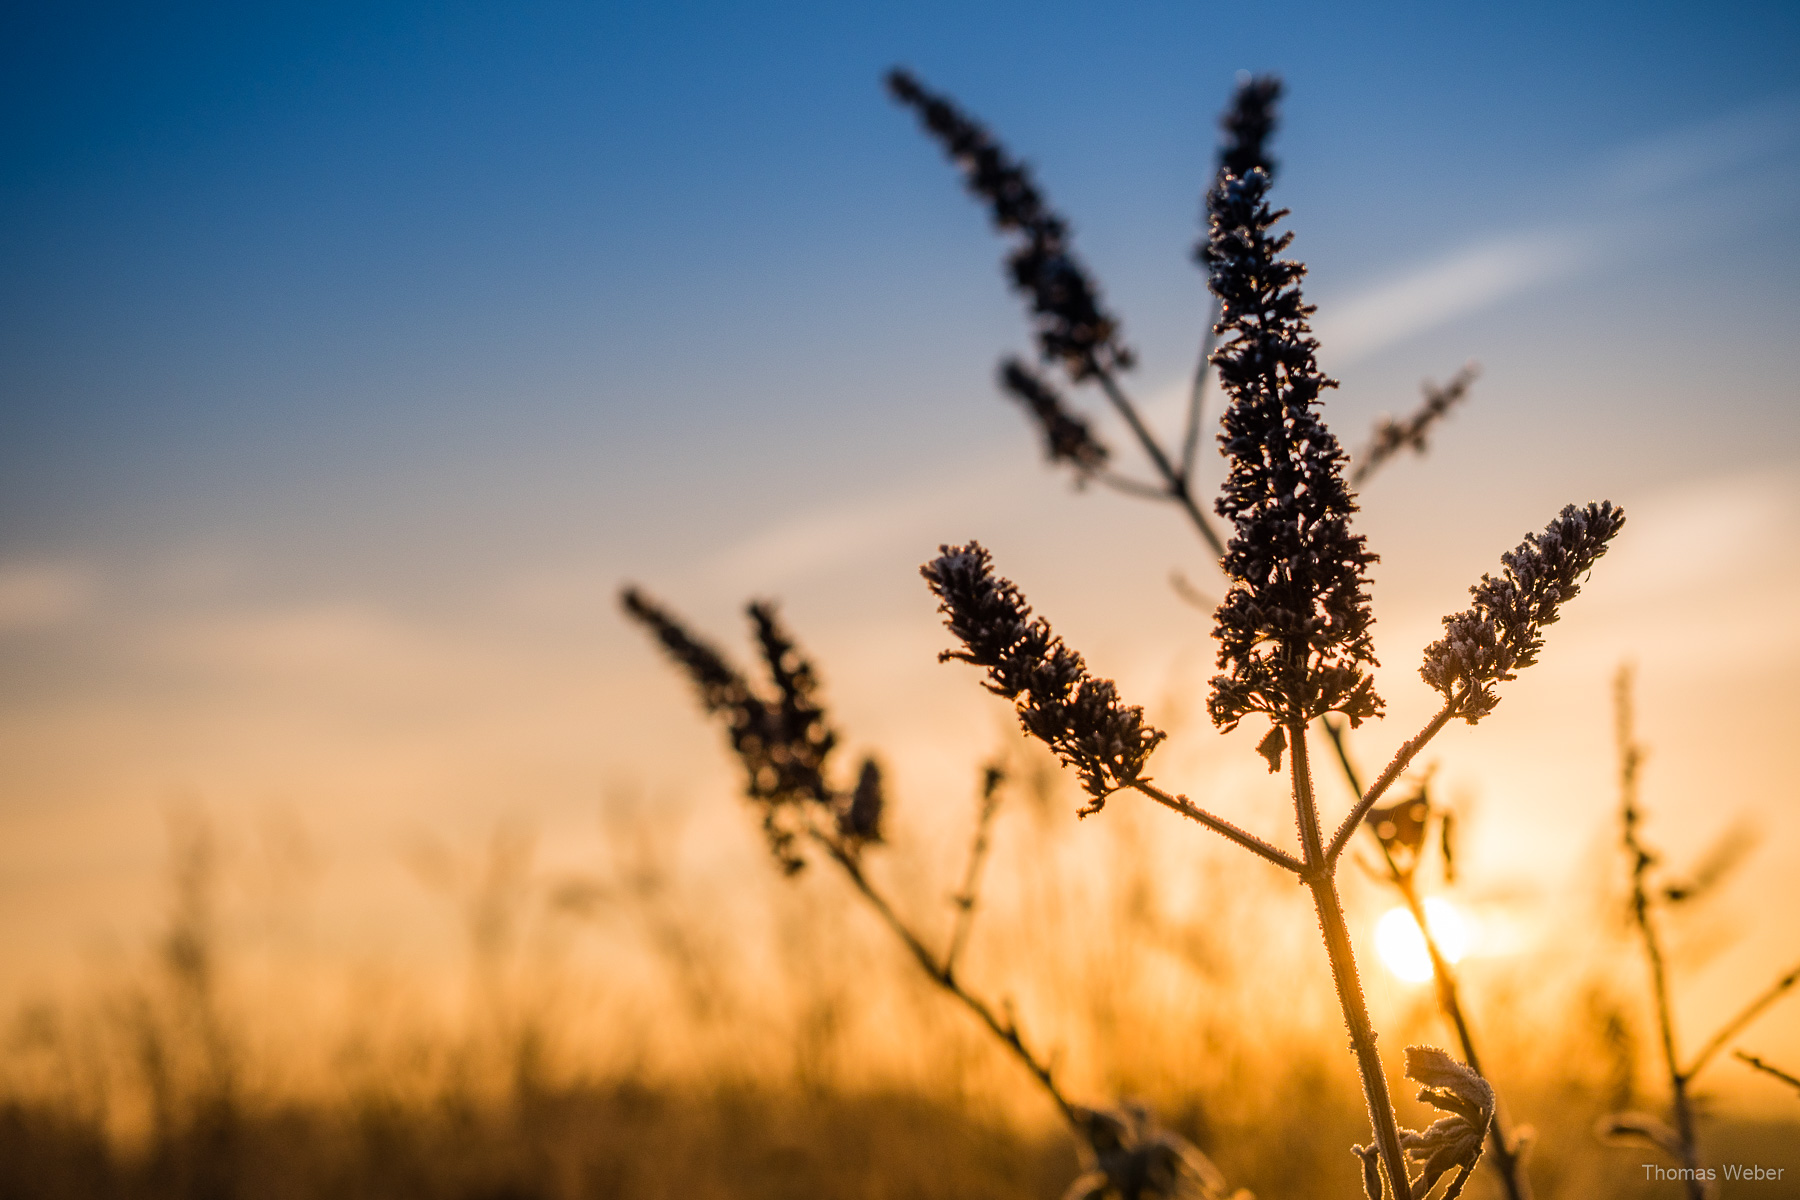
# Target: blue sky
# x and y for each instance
(330, 257)
(350, 357)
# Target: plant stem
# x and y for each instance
(1402, 759)
(942, 975)
(1768, 1069)
(966, 898)
(1220, 825)
(1630, 758)
(1736, 1025)
(1665, 1020)
(1176, 481)
(1190, 440)
(1320, 876)
(1512, 1170)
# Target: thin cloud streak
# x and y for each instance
(830, 535)
(1462, 282)
(41, 595)
(1475, 276)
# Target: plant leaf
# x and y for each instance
(1453, 1142)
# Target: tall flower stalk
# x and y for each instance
(1400, 831)
(1247, 125)
(1295, 644)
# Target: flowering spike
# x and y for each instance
(1072, 327)
(1294, 626)
(1393, 436)
(1076, 715)
(1067, 437)
(1502, 632)
(1247, 125)
(783, 743)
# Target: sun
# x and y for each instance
(1402, 946)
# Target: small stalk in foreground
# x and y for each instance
(1681, 1142)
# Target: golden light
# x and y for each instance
(1402, 946)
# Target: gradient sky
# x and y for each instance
(350, 357)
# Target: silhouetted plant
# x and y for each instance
(1294, 640)
(1248, 123)
(1650, 894)
(1126, 1151)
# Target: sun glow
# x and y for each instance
(1402, 946)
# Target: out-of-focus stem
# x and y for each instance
(1176, 481)
(1745, 1015)
(966, 898)
(941, 974)
(1402, 759)
(1630, 758)
(1190, 439)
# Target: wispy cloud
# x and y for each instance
(1629, 187)
(41, 595)
(830, 535)
(1463, 281)
(1690, 153)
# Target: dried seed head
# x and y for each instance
(1059, 703)
(1294, 627)
(1401, 827)
(1502, 632)
(783, 742)
(1639, 1131)
(1072, 327)
(1067, 437)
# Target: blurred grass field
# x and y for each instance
(635, 1030)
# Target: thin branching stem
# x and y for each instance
(940, 973)
(1220, 825)
(970, 892)
(1736, 1025)
(1174, 480)
(1401, 760)
(1319, 874)
(1631, 756)
(1512, 1169)
(1767, 1069)
(1190, 438)
(1132, 487)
